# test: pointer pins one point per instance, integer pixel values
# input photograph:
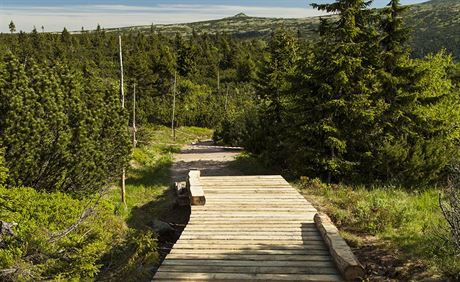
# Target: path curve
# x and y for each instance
(210, 159)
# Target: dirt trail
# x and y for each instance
(210, 159)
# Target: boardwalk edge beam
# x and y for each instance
(346, 261)
(197, 197)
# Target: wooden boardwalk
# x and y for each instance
(251, 228)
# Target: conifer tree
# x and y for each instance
(273, 86)
(12, 27)
(61, 131)
(336, 109)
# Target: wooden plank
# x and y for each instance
(250, 237)
(244, 180)
(271, 220)
(250, 206)
(265, 192)
(287, 234)
(242, 245)
(250, 221)
(256, 196)
(241, 177)
(253, 217)
(226, 228)
(252, 182)
(250, 269)
(248, 186)
(198, 262)
(236, 189)
(255, 209)
(261, 257)
(262, 230)
(252, 199)
(264, 241)
(322, 252)
(298, 200)
(259, 198)
(245, 276)
(245, 213)
(243, 224)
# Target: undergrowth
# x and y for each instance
(113, 242)
(410, 222)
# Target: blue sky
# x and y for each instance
(54, 15)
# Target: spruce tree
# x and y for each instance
(336, 108)
(414, 146)
(12, 27)
(273, 86)
(61, 131)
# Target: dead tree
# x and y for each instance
(449, 202)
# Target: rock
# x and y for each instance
(183, 194)
(181, 188)
(162, 228)
(6, 228)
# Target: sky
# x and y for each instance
(54, 15)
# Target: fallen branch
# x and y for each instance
(88, 211)
(450, 206)
(7, 271)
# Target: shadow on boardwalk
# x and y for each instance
(251, 228)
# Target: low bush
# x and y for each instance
(40, 249)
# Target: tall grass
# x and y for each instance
(411, 222)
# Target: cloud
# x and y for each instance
(88, 16)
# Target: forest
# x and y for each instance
(349, 108)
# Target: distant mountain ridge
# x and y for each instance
(435, 25)
(240, 15)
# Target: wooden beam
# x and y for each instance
(344, 258)
(197, 197)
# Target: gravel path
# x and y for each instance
(210, 159)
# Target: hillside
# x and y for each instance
(435, 24)
(240, 26)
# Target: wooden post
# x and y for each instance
(226, 100)
(122, 98)
(218, 80)
(134, 117)
(122, 91)
(173, 129)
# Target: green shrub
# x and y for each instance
(35, 253)
(241, 129)
(62, 129)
